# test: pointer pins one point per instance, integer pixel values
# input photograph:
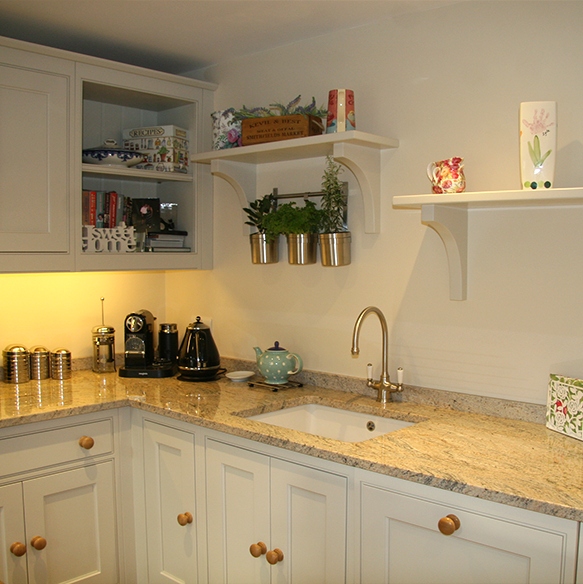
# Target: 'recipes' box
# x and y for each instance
(156, 132)
(166, 147)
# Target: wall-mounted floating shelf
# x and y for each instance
(358, 151)
(447, 214)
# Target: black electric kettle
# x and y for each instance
(198, 357)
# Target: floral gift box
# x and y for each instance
(565, 406)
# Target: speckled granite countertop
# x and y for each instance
(513, 462)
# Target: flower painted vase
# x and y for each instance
(447, 176)
(538, 144)
(226, 129)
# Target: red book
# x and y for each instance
(92, 208)
(112, 209)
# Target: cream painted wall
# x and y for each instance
(59, 310)
(445, 82)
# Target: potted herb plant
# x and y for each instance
(300, 225)
(265, 241)
(334, 238)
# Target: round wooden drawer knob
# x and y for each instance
(38, 542)
(86, 442)
(18, 549)
(258, 549)
(447, 525)
(185, 518)
(274, 556)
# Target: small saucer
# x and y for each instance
(240, 375)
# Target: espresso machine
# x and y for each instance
(140, 356)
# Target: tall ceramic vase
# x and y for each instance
(538, 144)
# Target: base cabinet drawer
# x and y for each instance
(401, 542)
(42, 447)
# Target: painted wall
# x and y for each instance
(444, 82)
(59, 310)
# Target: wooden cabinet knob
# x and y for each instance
(274, 556)
(18, 549)
(447, 525)
(257, 549)
(185, 518)
(38, 542)
(86, 442)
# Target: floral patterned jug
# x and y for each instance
(447, 176)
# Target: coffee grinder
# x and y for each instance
(140, 349)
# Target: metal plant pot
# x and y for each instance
(262, 251)
(335, 248)
(302, 248)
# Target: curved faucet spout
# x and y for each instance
(384, 385)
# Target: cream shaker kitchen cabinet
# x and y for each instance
(58, 504)
(272, 520)
(170, 504)
(114, 98)
(412, 533)
(53, 104)
(35, 162)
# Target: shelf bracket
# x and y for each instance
(365, 164)
(451, 224)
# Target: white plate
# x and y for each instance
(240, 375)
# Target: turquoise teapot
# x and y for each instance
(275, 364)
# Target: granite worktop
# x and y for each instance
(514, 462)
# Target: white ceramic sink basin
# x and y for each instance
(332, 422)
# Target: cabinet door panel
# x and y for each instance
(12, 568)
(34, 161)
(309, 524)
(170, 491)
(74, 512)
(237, 514)
(401, 543)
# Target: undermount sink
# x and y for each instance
(332, 422)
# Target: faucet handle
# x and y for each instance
(369, 370)
(400, 376)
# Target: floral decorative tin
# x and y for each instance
(565, 406)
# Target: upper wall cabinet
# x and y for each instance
(35, 155)
(80, 102)
(359, 151)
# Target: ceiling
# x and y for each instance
(179, 36)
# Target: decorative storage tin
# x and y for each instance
(565, 406)
(165, 147)
(275, 128)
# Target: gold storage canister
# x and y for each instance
(39, 363)
(60, 363)
(16, 362)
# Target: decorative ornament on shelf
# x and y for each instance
(447, 176)
(341, 116)
(538, 144)
(227, 123)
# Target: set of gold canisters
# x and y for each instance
(22, 365)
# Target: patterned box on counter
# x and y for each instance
(166, 147)
(565, 406)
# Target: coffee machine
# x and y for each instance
(140, 350)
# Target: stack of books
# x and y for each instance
(105, 209)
